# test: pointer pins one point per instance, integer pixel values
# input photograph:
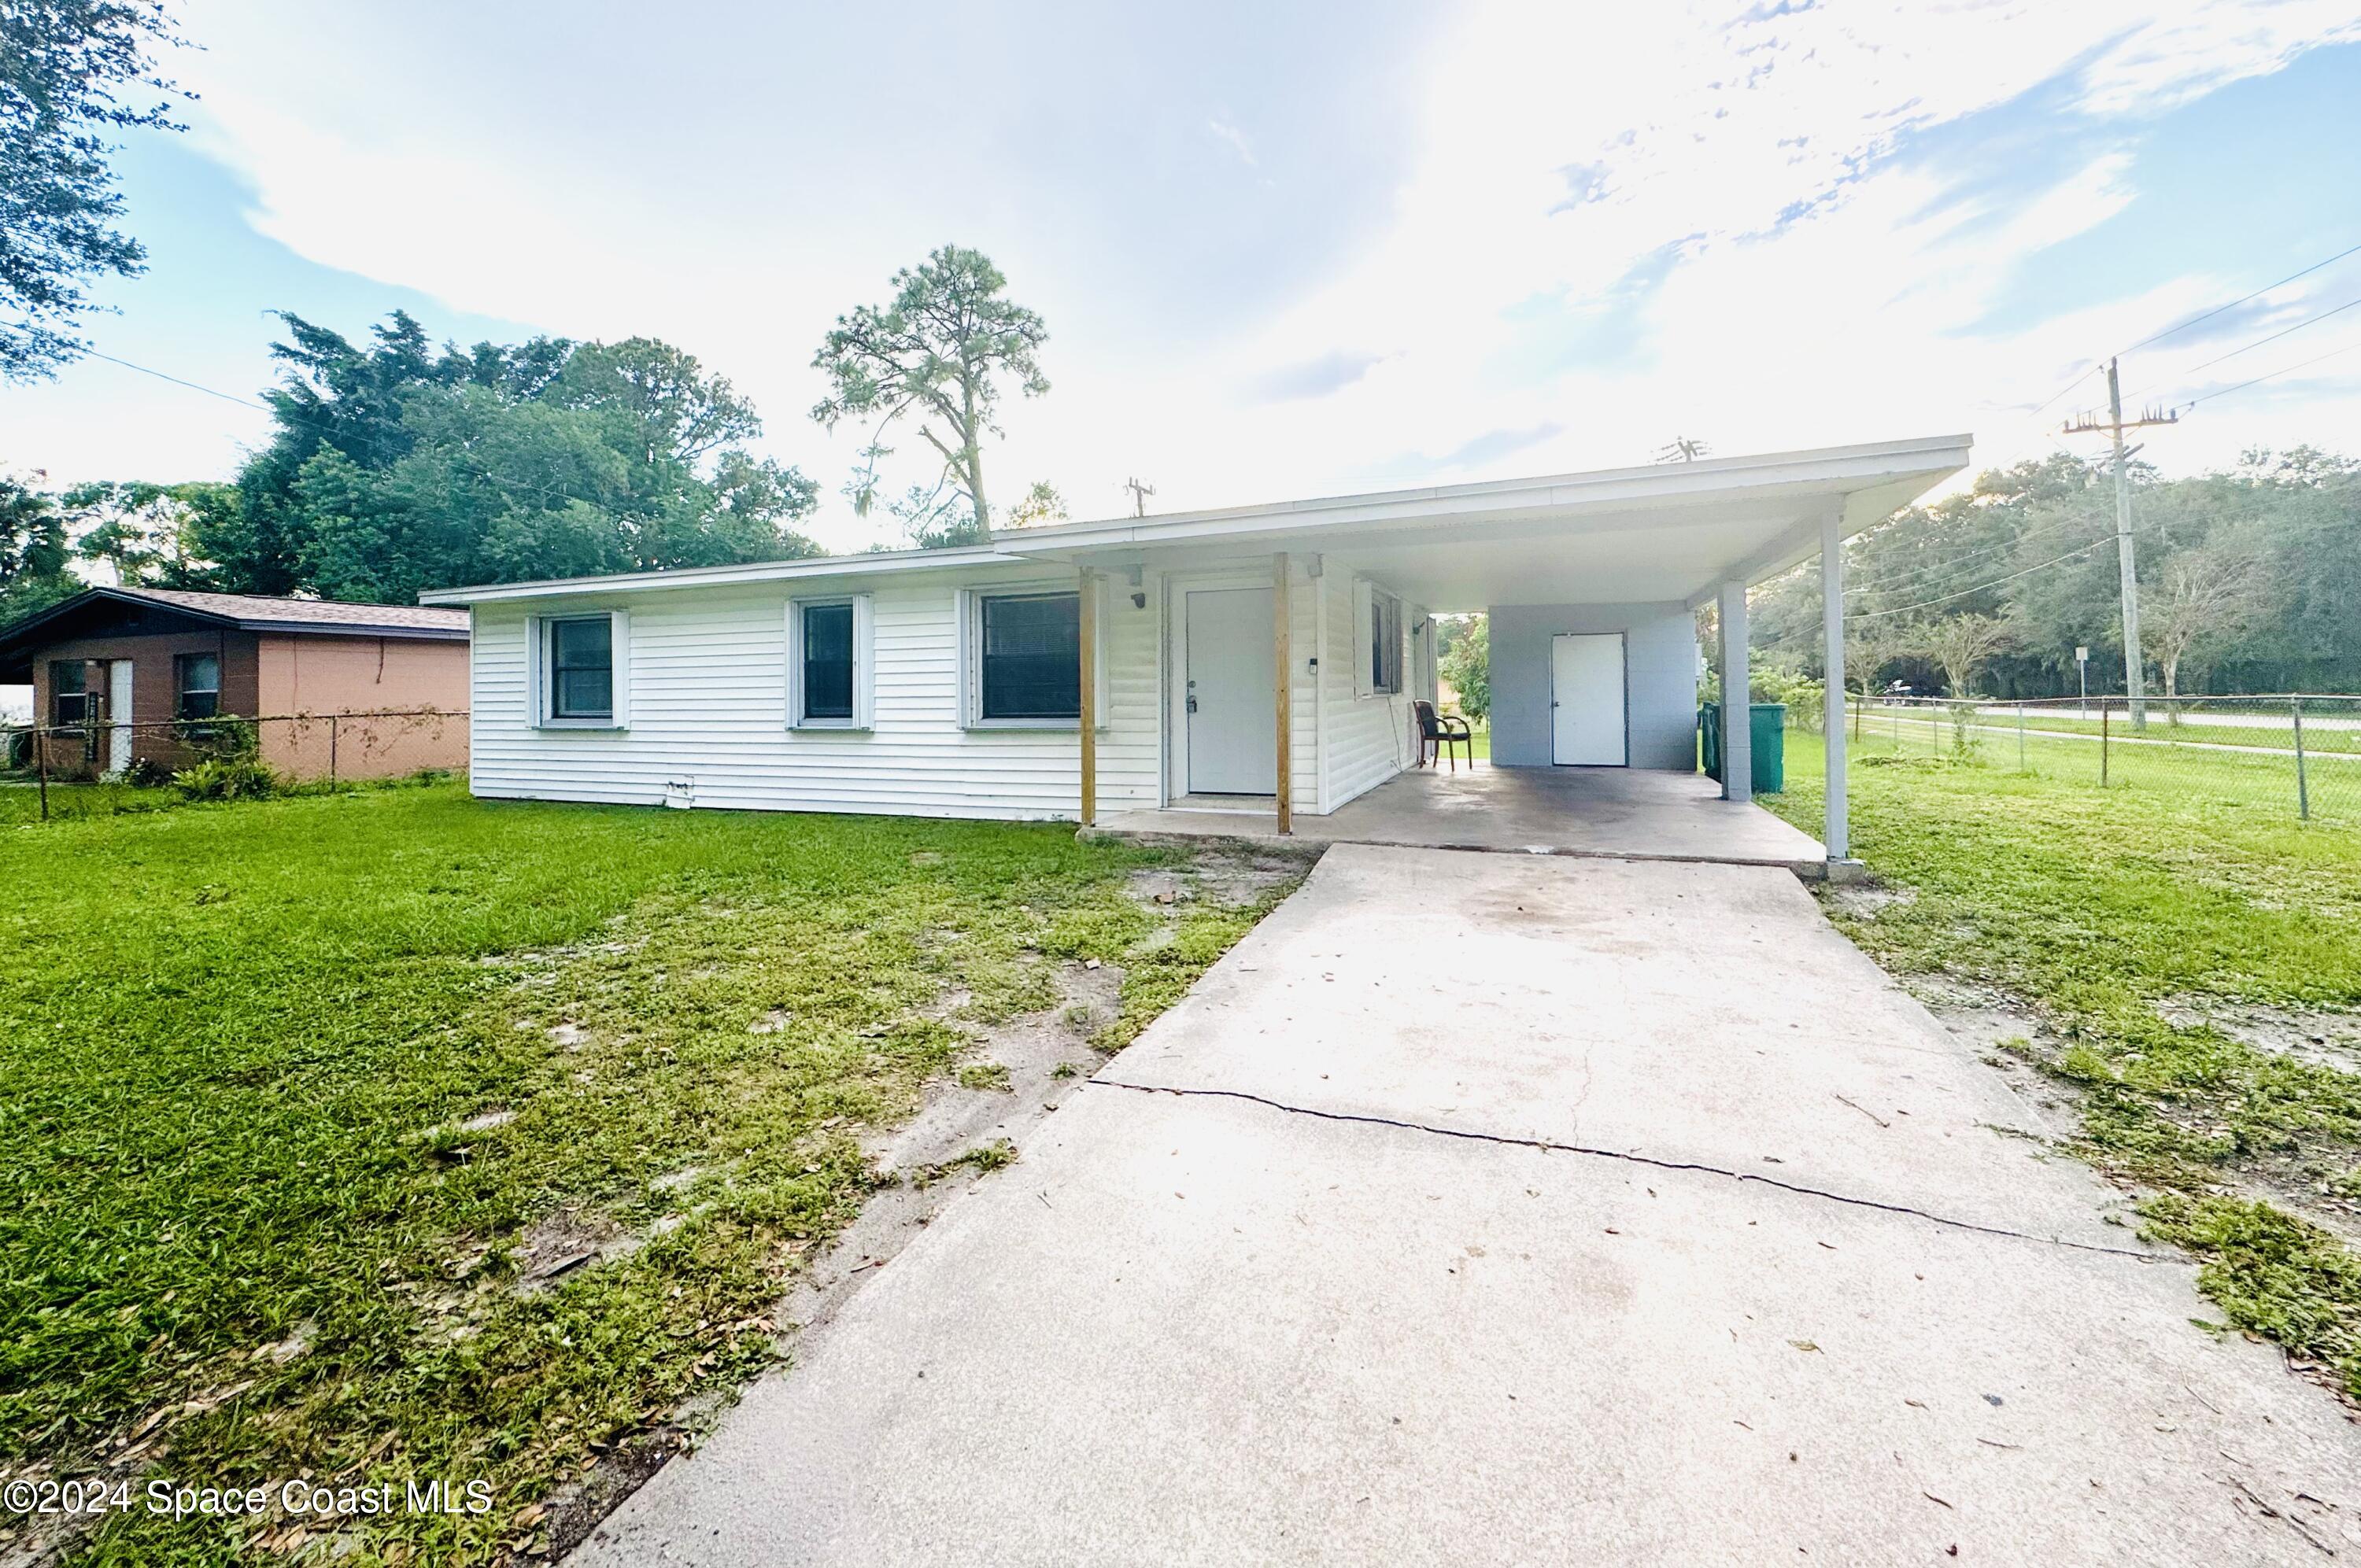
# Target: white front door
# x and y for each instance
(1232, 692)
(118, 715)
(1587, 726)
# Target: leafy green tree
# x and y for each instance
(939, 349)
(62, 65)
(1042, 505)
(398, 466)
(145, 534)
(32, 551)
(1466, 663)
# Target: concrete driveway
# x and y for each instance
(1483, 1207)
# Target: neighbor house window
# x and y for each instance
(69, 692)
(827, 660)
(1384, 642)
(1030, 660)
(582, 667)
(198, 677)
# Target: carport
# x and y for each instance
(1292, 641)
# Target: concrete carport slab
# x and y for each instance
(1280, 1285)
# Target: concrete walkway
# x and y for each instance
(1517, 1210)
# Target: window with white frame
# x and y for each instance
(829, 661)
(579, 680)
(1385, 643)
(1028, 657)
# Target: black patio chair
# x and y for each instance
(1438, 732)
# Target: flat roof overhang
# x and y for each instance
(1668, 532)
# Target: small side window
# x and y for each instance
(1385, 642)
(199, 679)
(582, 667)
(827, 661)
(69, 692)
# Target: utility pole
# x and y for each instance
(1140, 492)
(2114, 426)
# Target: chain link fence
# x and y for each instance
(101, 766)
(2297, 753)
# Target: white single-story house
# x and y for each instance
(1268, 651)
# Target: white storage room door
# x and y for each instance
(1588, 726)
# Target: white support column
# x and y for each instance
(1836, 833)
(1736, 693)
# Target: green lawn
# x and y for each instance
(300, 1091)
(2119, 918)
(2262, 774)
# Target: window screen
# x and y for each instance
(200, 681)
(1385, 642)
(582, 668)
(1032, 666)
(827, 661)
(69, 692)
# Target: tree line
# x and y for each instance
(2248, 579)
(396, 465)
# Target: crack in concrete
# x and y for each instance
(1553, 1146)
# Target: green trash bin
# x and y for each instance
(1770, 749)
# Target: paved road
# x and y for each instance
(1356, 1292)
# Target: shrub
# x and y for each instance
(227, 778)
(229, 764)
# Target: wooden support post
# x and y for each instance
(1089, 716)
(1283, 670)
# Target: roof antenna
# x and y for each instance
(1140, 492)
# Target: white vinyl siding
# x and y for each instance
(1369, 736)
(709, 674)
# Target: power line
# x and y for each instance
(2300, 365)
(2272, 337)
(2234, 304)
(1980, 588)
(330, 433)
(2082, 375)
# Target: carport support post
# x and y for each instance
(1836, 834)
(1283, 670)
(1737, 697)
(1088, 628)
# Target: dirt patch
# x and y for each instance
(2009, 1034)
(2321, 1038)
(558, 1244)
(1223, 872)
(1867, 900)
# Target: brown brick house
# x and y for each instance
(119, 667)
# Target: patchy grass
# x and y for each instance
(20, 797)
(396, 1135)
(2132, 923)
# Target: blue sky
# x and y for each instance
(1282, 249)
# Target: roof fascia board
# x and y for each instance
(748, 572)
(88, 597)
(1664, 485)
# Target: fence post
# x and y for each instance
(332, 750)
(41, 762)
(2020, 737)
(2302, 785)
(2102, 742)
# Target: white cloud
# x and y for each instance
(1825, 289)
